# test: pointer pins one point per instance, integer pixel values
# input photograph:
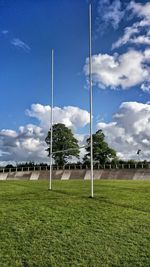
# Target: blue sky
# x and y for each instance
(120, 47)
(42, 25)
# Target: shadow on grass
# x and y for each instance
(85, 196)
(58, 194)
(124, 187)
(48, 195)
(127, 206)
(63, 192)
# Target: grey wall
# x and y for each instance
(121, 174)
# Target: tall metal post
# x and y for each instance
(91, 94)
(51, 121)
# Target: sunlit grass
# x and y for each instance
(64, 227)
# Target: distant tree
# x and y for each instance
(131, 161)
(9, 166)
(30, 164)
(102, 153)
(42, 164)
(63, 139)
(26, 164)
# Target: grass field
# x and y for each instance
(66, 228)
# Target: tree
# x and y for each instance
(26, 164)
(9, 166)
(102, 153)
(63, 139)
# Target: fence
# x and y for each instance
(77, 166)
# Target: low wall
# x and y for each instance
(121, 174)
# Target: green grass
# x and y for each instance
(66, 228)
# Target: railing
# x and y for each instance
(76, 167)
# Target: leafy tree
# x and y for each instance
(63, 139)
(9, 166)
(102, 153)
(26, 164)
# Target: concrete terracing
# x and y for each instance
(142, 175)
(35, 175)
(19, 175)
(77, 174)
(3, 176)
(121, 174)
(66, 175)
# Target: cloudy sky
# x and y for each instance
(29, 29)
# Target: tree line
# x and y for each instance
(66, 149)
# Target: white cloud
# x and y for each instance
(142, 39)
(110, 12)
(120, 71)
(146, 87)
(8, 133)
(129, 130)
(134, 34)
(20, 44)
(72, 117)
(17, 42)
(141, 10)
(5, 32)
(28, 143)
(30, 130)
(129, 31)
